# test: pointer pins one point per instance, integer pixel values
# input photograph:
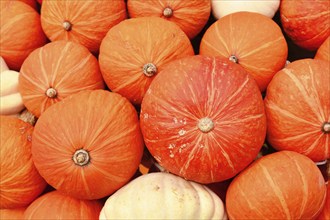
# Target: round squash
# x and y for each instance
(130, 60)
(20, 32)
(55, 205)
(250, 39)
(20, 182)
(323, 53)
(297, 105)
(281, 185)
(163, 196)
(306, 22)
(55, 71)
(203, 118)
(94, 137)
(12, 214)
(191, 16)
(3, 65)
(221, 8)
(85, 22)
(325, 213)
(10, 99)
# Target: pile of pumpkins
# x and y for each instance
(132, 109)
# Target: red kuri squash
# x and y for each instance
(55, 71)
(20, 32)
(325, 213)
(20, 182)
(281, 185)
(297, 106)
(85, 22)
(250, 39)
(137, 49)
(203, 118)
(191, 16)
(12, 214)
(323, 53)
(306, 22)
(55, 205)
(94, 138)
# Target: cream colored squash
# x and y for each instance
(11, 102)
(163, 196)
(3, 65)
(221, 8)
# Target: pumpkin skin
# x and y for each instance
(20, 181)
(325, 213)
(262, 55)
(12, 214)
(323, 53)
(55, 71)
(163, 196)
(221, 8)
(130, 60)
(3, 65)
(306, 22)
(85, 22)
(281, 185)
(191, 111)
(55, 205)
(297, 105)
(20, 32)
(98, 144)
(191, 16)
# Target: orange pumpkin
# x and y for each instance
(12, 214)
(55, 205)
(306, 22)
(282, 185)
(250, 39)
(323, 53)
(325, 213)
(85, 22)
(20, 32)
(130, 56)
(20, 182)
(32, 3)
(55, 71)
(93, 137)
(191, 16)
(297, 106)
(203, 118)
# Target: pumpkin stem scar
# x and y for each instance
(205, 124)
(81, 157)
(149, 69)
(51, 93)
(326, 127)
(233, 58)
(168, 12)
(67, 25)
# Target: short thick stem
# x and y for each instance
(51, 93)
(233, 58)
(205, 124)
(81, 157)
(67, 25)
(168, 12)
(326, 127)
(149, 69)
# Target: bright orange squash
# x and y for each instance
(85, 22)
(20, 182)
(55, 205)
(20, 32)
(191, 16)
(55, 71)
(297, 105)
(250, 39)
(203, 118)
(130, 57)
(325, 213)
(323, 53)
(281, 185)
(94, 138)
(12, 214)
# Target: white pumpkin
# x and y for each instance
(11, 102)
(221, 8)
(162, 195)
(3, 65)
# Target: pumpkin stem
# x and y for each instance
(81, 157)
(326, 127)
(51, 93)
(67, 25)
(149, 69)
(168, 12)
(205, 124)
(233, 58)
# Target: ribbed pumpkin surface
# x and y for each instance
(323, 53)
